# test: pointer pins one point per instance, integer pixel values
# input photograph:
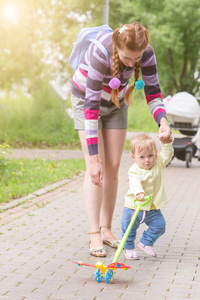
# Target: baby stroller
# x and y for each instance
(184, 112)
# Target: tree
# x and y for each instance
(36, 38)
(36, 43)
(175, 35)
(20, 42)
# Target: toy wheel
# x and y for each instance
(108, 275)
(188, 159)
(98, 275)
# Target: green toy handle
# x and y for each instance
(123, 241)
(147, 198)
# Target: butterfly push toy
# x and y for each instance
(103, 271)
(108, 272)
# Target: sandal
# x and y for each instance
(93, 251)
(115, 244)
(100, 250)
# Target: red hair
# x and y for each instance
(134, 38)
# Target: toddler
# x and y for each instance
(145, 178)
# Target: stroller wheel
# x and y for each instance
(188, 158)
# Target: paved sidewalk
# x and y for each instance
(40, 238)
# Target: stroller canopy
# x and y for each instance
(184, 105)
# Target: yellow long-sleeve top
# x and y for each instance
(149, 182)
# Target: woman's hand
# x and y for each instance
(165, 134)
(96, 170)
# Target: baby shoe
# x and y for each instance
(148, 249)
(130, 254)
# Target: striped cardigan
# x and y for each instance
(93, 86)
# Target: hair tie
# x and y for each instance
(114, 83)
(139, 84)
(122, 28)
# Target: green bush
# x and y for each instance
(139, 115)
(37, 121)
(4, 148)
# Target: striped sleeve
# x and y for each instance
(98, 67)
(152, 88)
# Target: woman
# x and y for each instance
(100, 99)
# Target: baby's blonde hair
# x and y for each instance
(142, 141)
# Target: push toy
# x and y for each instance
(104, 271)
(108, 272)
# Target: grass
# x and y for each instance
(139, 116)
(127, 145)
(20, 177)
(37, 121)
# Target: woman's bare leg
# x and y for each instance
(93, 194)
(113, 140)
(102, 200)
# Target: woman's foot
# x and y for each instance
(131, 254)
(96, 245)
(108, 238)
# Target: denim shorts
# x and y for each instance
(109, 117)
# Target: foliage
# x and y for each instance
(21, 43)
(139, 115)
(4, 148)
(179, 32)
(174, 27)
(22, 177)
(36, 121)
(36, 43)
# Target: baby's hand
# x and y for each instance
(140, 196)
(165, 137)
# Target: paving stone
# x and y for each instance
(40, 238)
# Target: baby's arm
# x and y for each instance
(166, 154)
(135, 182)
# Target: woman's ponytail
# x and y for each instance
(128, 94)
(114, 92)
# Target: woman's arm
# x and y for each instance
(153, 94)
(165, 134)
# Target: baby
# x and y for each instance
(146, 178)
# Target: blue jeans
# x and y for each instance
(153, 219)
